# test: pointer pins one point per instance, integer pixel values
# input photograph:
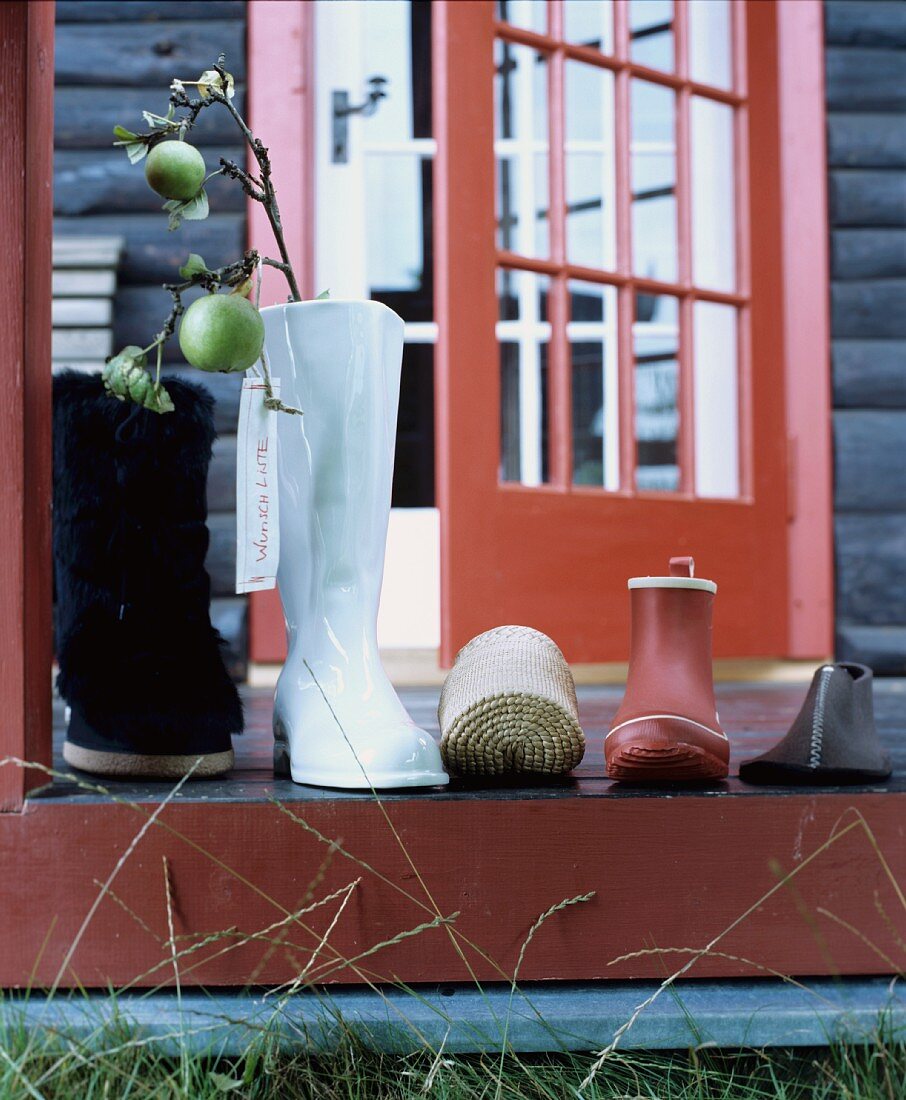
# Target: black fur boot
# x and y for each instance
(140, 663)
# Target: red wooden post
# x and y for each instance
(803, 174)
(280, 89)
(465, 304)
(26, 213)
(281, 112)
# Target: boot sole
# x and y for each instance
(767, 773)
(679, 762)
(665, 748)
(127, 765)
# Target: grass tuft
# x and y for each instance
(61, 1068)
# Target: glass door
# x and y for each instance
(602, 314)
(374, 239)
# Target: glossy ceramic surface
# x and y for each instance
(336, 716)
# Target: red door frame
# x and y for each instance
(26, 215)
(789, 282)
(806, 330)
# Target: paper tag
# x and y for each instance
(257, 505)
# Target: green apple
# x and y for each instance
(175, 170)
(222, 332)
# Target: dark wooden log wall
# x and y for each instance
(866, 102)
(113, 60)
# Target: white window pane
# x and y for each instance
(716, 400)
(653, 156)
(413, 466)
(522, 298)
(651, 33)
(540, 239)
(396, 44)
(589, 23)
(521, 144)
(653, 112)
(398, 249)
(590, 186)
(710, 55)
(655, 339)
(529, 14)
(592, 334)
(713, 212)
(523, 335)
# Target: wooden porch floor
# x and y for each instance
(754, 715)
(752, 881)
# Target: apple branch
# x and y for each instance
(126, 375)
(233, 275)
(261, 189)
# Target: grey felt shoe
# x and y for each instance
(833, 739)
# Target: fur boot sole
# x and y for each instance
(141, 766)
(657, 751)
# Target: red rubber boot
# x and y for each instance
(667, 727)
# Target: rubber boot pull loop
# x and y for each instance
(682, 567)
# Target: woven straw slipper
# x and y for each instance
(509, 706)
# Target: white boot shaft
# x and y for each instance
(340, 363)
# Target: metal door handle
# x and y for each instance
(342, 109)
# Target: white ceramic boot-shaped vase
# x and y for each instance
(337, 720)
